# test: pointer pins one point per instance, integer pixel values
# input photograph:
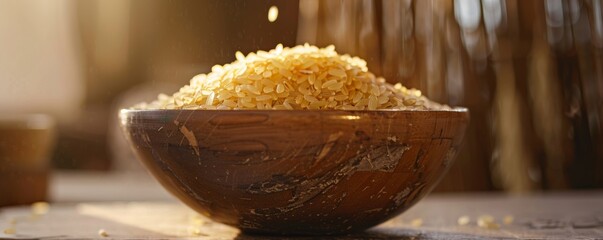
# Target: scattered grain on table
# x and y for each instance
(508, 219)
(417, 222)
(463, 220)
(198, 220)
(10, 231)
(197, 232)
(40, 208)
(103, 233)
(488, 222)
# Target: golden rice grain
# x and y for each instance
(40, 208)
(10, 231)
(488, 222)
(301, 77)
(416, 222)
(463, 220)
(103, 233)
(508, 219)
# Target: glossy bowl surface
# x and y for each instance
(299, 171)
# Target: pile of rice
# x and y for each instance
(302, 77)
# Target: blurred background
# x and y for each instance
(531, 72)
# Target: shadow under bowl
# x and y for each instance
(297, 171)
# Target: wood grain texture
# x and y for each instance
(575, 215)
(297, 172)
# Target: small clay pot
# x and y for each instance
(297, 171)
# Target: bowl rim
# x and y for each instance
(453, 110)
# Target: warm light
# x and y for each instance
(272, 14)
(350, 117)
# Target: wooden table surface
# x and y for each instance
(132, 206)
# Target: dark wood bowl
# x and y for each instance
(297, 171)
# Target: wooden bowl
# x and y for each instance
(297, 171)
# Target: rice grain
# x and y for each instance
(301, 77)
